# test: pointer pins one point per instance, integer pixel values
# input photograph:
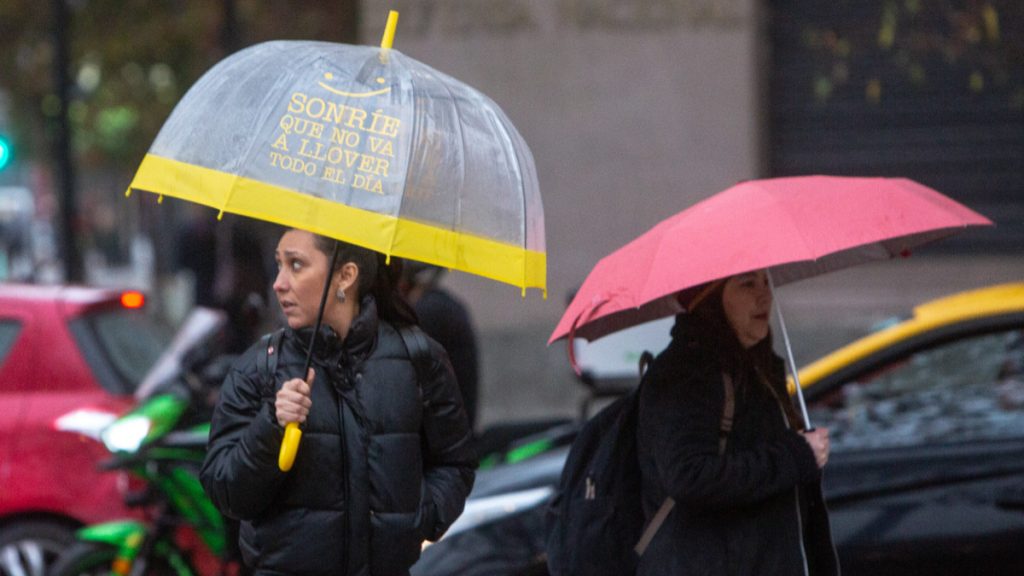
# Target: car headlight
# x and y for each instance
(88, 422)
(480, 511)
(126, 434)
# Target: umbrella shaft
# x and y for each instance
(789, 355)
(320, 312)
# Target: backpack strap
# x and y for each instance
(728, 411)
(267, 358)
(725, 427)
(645, 360)
(652, 528)
(419, 351)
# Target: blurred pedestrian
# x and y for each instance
(385, 461)
(196, 252)
(230, 271)
(241, 283)
(747, 499)
(447, 320)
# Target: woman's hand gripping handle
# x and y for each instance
(292, 407)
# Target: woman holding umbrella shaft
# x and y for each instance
(385, 460)
(756, 509)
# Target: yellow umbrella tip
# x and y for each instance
(389, 30)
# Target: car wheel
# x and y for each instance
(31, 547)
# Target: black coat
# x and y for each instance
(757, 509)
(384, 463)
(447, 321)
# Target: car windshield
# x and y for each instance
(958, 391)
(121, 345)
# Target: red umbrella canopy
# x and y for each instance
(797, 226)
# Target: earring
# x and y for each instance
(340, 295)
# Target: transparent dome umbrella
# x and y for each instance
(361, 144)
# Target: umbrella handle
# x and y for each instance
(289, 446)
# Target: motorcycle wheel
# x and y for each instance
(91, 559)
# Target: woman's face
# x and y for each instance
(747, 300)
(301, 271)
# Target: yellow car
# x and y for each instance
(926, 419)
(995, 302)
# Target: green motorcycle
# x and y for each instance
(161, 443)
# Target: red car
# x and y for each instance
(70, 359)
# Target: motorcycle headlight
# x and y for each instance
(126, 434)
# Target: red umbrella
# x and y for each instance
(795, 227)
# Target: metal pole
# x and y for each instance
(789, 354)
(65, 167)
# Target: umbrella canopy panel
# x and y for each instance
(361, 144)
(797, 227)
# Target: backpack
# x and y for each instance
(595, 522)
(413, 337)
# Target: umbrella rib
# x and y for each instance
(510, 144)
(462, 140)
(243, 159)
(394, 59)
(793, 226)
(462, 165)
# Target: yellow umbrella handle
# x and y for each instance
(289, 446)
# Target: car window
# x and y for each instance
(8, 332)
(120, 345)
(960, 391)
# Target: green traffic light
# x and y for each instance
(5, 152)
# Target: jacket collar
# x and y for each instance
(362, 334)
(360, 341)
(686, 335)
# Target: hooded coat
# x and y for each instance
(385, 462)
(757, 508)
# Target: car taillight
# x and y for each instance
(132, 299)
(128, 483)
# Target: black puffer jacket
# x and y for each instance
(757, 509)
(383, 465)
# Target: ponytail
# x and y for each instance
(391, 306)
(376, 277)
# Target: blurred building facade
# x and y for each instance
(636, 109)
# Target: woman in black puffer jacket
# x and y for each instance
(385, 460)
(754, 508)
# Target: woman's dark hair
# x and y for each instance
(376, 277)
(712, 328)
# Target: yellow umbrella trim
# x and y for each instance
(387, 234)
